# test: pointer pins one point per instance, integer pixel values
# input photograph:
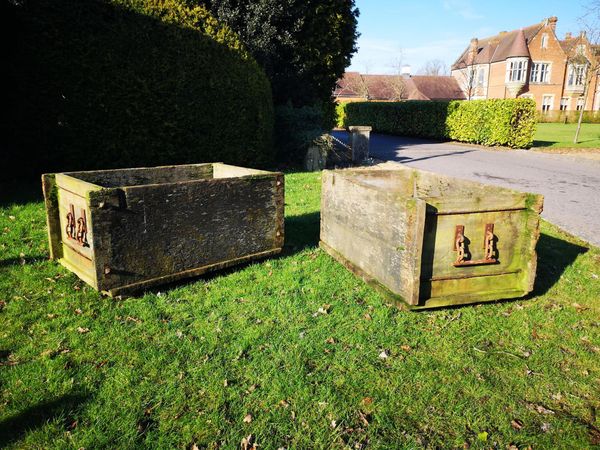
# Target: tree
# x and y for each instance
(584, 56)
(434, 67)
(467, 81)
(396, 80)
(304, 46)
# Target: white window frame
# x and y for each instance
(480, 76)
(577, 74)
(564, 101)
(516, 70)
(536, 72)
(547, 106)
(580, 104)
(544, 40)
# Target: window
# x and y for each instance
(544, 40)
(564, 103)
(577, 74)
(540, 72)
(516, 71)
(480, 77)
(581, 49)
(579, 103)
(547, 102)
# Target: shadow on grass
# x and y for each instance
(8, 262)
(15, 428)
(554, 256)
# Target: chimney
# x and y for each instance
(568, 36)
(472, 51)
(552, 22)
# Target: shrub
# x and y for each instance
(295, 130)
(115, 83)
(508, 122)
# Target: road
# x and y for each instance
(570, 184)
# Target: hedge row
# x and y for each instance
(117, 83)
(506, 122)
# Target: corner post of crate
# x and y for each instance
(280, 209)
(52, 214)
(536, 205)
(359, 142)
(103, 203)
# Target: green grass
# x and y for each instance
(560, 135)
(184, 366)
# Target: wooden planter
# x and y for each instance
(428, 239)
(125, 230)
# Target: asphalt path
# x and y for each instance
(570, 184)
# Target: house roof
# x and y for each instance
(390, 87)
(498, 47)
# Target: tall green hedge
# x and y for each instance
(506, 122)
(116, 83)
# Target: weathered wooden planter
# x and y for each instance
(124, 230)
(428, 239)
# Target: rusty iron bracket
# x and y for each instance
(77, 229)
(488, 245)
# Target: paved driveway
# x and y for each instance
(570, 184)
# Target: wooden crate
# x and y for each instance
(125, 230)
(428, 239)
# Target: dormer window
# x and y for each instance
(516, 70)
(544, 40)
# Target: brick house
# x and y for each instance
(354, 86)
(531, 63)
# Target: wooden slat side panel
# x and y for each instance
(145, 175)
(83, 267)
(368, 228)
(52, 215)
(221, 170)
(170, 228)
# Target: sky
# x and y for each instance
(415, 31)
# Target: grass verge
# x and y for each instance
(560, 136)
(247, 352)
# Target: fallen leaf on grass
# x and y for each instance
(516, 424)
(330, 341)
(248, 443)
(539, 408)
(384, 355)
(406, 348)
(78, 311)
(545, 427)
(322, 310)
(367, 401)
(225, 383)
(50, 316)
(483, 436)
(83, 330)
(368, 316)
(579, 308)
(248, 418)
(12, 217)
(2, 304)
(22, 258)
(284, 404)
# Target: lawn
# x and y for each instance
(560, 135)
(288, 351)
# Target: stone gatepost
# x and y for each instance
(359, 141)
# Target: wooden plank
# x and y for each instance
(145, 175)
(170, 278)
(170, 228)
(82, 266)
(52, 215)
(373, 229)
(221, 170)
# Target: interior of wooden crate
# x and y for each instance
(162, 175)
(423, 184)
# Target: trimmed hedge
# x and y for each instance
(506, 122)
(121, 83)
